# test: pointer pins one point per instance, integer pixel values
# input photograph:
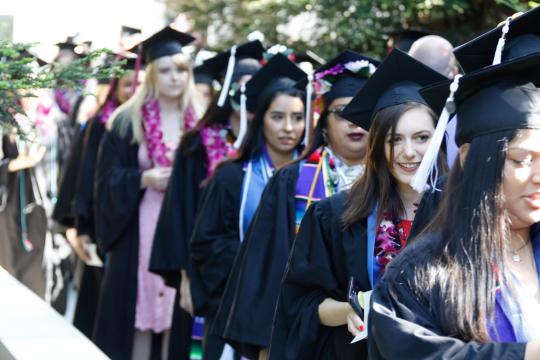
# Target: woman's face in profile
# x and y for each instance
(521, 179)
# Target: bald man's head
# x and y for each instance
(437, 53)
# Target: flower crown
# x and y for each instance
(324, 80)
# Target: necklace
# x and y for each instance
(515, 256)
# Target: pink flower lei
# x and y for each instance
(107, 110)
(387, 241)
(214, 139)
(157, 149)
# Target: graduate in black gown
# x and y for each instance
(356, 233)
(200, 151)
(133, 169)
(523, 38)
(120, 90)
(330, 164)
(468, 287)
(234, 191)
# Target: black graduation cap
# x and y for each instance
(128, 30)
(497, 98)
(523, 38)
(40, 61)
(217, 65)
(346, 83)
(404, 38)
(278, 73)
(396, 81)
(68, 44)
(165, 42)
(202, 75)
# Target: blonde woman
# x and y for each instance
(134, 164)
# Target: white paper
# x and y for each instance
(363, 334)
(91, 249)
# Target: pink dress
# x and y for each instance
(155, 300)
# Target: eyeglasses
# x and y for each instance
(337, 112)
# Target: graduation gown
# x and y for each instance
(324, 257)
(216, 238)
(427, 209)
(83, 211)
(245, 315)
(83, 201)
(63, 209)
(26, 266)
(402, 324)
(117, 198)
(170, 250)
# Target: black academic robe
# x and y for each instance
(83, 211)
(215, 240)
(427, 209)
(170, 250)
(83, 201)
(63, 209)
(323, 258)
(27, 267)
(117, 198)
(246, 311)
(402, 324)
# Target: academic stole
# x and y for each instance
(315, 182)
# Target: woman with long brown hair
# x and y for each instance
(356, 233)
(468, 287)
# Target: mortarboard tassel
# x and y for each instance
(228, 78)
(502, 40)
(243, 118)
(428, 166)
(309, 93)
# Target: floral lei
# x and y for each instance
(325, 79)
(107, 110)
(388, 241)
(214, 139)
(157, 149)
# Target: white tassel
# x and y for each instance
(500, 44)
(429, 161)
(228, 76)
(309, 93)
(243, 118)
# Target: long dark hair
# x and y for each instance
(214, 115)
(377, 185)
(252, 146)
(473, 225)
(317, 138)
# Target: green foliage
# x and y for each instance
(19, 74)
(360, 25)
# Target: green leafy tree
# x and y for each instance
(19, 76)
(354, 24)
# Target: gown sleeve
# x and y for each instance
(215, 240)
(401, 325)
(297, 331)
(118, 186)
(246, 311)
(170, 249)
(63, 209)
(83, 202)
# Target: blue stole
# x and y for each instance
(258, 171)
(374, 269)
